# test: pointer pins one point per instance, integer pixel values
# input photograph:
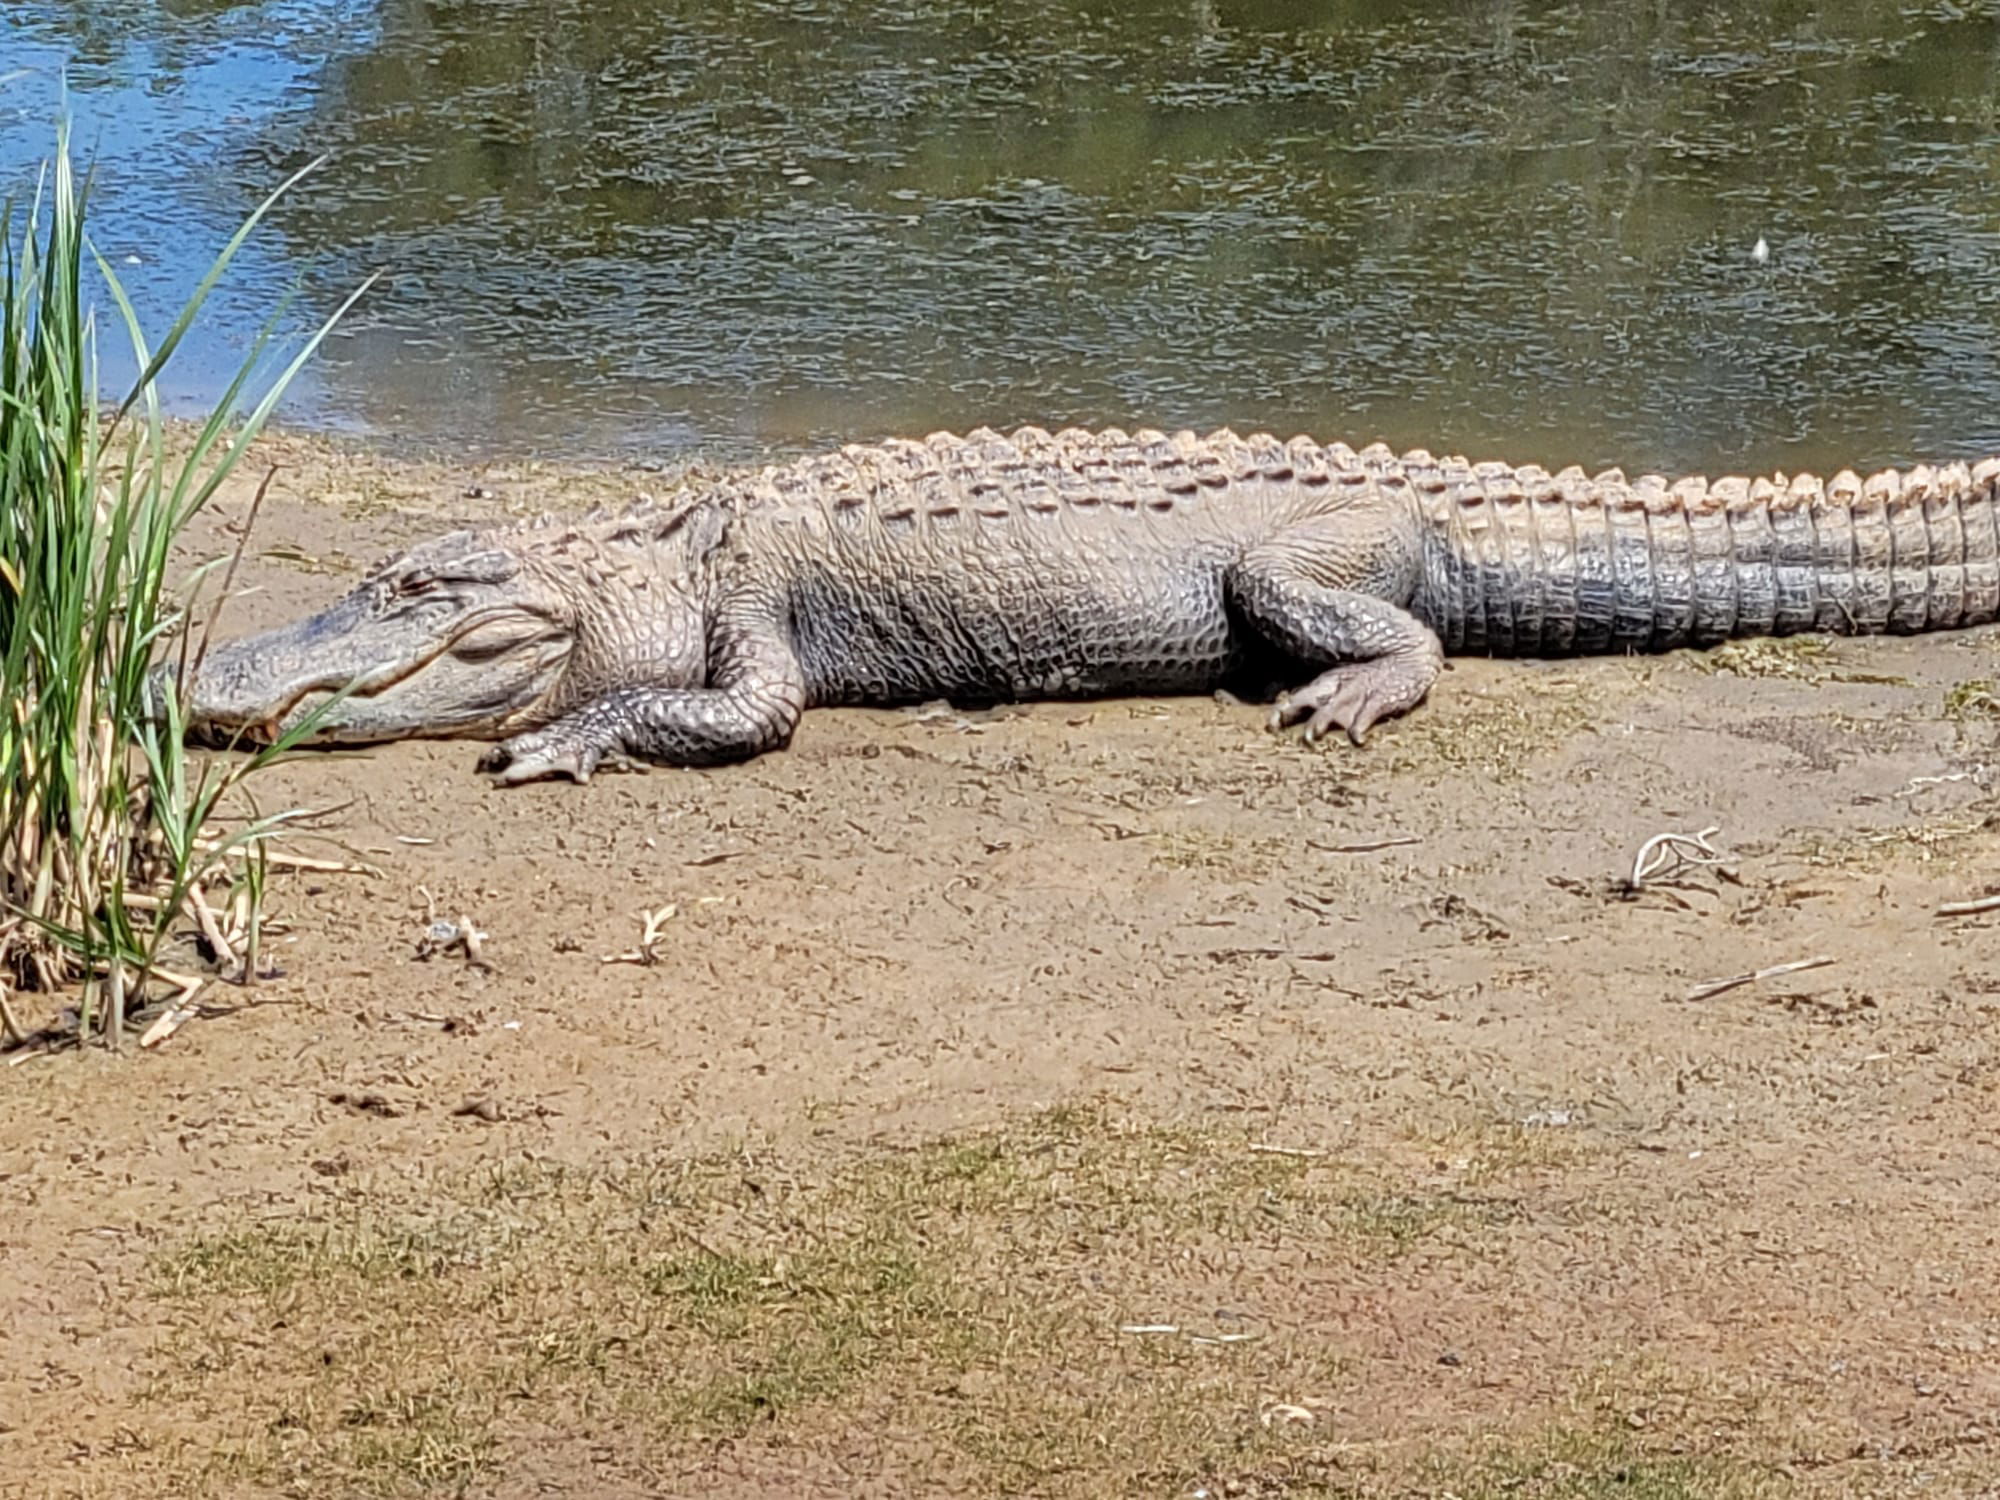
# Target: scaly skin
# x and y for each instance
(1078, 564)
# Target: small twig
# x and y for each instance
(188, 982)
(442, 936)
(170, 1020)
(1977, 775)
(1717, 986)
(648, 950)
(179, 1012)
(1265, 1149)
(1370, 847)
(204, 916)
(1665, 852)
(446, 936)
(1969, 908)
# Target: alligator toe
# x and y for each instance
(539, 757)
(1355, 696)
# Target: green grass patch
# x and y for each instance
(1002, 1293)
(1806, 657)
(1977, 698)
(1583, 1464)
(1494, 736)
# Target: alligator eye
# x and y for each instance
(493, 639)
(416, 581)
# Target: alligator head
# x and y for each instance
(465, 635)
(474, 635)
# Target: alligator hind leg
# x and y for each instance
(754, 706)
(1380, 659)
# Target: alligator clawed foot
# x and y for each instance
(1354, 696)
(536, 757)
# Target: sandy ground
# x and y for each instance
(978, 1043)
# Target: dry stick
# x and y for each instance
(470, 937)
(1371, 847)
(1717, 986)
(174, 1017)
(211, 929)
(1663, 845)
(9, 1023)
(648, 950)
(164, 1025)
(1969, 908)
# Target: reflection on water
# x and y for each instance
(1501, 227)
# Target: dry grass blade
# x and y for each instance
(280, 859)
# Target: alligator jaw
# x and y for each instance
(479, 673)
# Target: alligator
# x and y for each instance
(998, 567)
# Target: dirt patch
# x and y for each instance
(977, 1043)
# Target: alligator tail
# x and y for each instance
(1522, 562)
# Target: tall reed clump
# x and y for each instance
(107, 841)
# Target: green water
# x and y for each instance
(1492, 227)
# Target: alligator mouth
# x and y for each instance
(356, 719)
(278, 714)
(486, 679)
(212, 734)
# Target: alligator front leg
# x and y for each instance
(1380, 659)
(754, 706)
